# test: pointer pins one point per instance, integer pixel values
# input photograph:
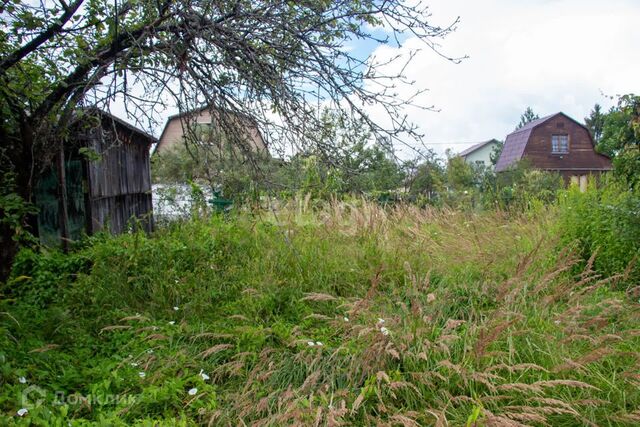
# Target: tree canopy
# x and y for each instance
(527, 117)
(621, 138)
(595, 122)
(264, 59)
(272, 62)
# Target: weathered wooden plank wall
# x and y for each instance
(120, 182)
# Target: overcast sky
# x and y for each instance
(552, 55)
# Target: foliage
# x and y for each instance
(621, 138)
(605, 223)
(350, 163)
(522, 184)
(355, 314)
(527, 117)
(595, 123)
(460, 174)
(496, 152)
(426, 178)
(58, 56)
(14, 230)
(14, 210)
(235, 175)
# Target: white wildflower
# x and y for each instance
(380, 320)
(142, 374)
(203, 375)
(311, 343)
(193, 391)
(22, 412)
(345, 318)
(22, 380)
(557, 322)
(172, 322)
(384, 331)
(134, 364)
(319, 344)
(176, 308)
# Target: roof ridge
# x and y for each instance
(475, 147)
(533, 123)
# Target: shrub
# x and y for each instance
(604, 222)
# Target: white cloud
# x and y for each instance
(552, 55)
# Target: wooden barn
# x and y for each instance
(555, 143)
(101, 180)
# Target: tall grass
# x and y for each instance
(347, 315)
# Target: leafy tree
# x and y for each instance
(615, 132)
(427, 177)
(527, 117)
(225, 170)
(460, 175)
(243, 58)
(496, 152)
(351, 161)
(520, 185)
(621, 138)
(595, 122)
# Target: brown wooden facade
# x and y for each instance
(534, 143)
(105, 182)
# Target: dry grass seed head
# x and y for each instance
(488, 336)
(215, 349)
(492, 420)
(565, 383)
(316, 296)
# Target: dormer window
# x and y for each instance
(560, 144)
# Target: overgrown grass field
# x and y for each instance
(351, 314)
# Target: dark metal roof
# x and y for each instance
(516, 142)
(475, 147)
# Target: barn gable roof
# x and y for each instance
(516, 141)
(148, 138)
(109, 119)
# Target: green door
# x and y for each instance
(47, 198)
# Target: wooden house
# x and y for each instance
(100, 180)
(555, 143)
(208, 126)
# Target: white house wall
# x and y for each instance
(482, 155)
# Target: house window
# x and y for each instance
(480, 162)
(560, 144)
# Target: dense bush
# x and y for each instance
(604, 222)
